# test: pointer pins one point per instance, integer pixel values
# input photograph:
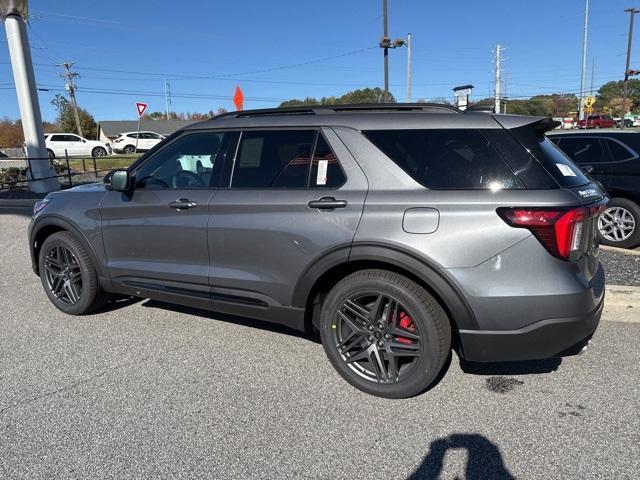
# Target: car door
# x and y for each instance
(155, 236)
(295, 196)
(76, 145)
(144, 142)
(590, 152)
(59, 144)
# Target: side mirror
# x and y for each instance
(84, 140)
(117, 181)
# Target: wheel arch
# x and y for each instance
(331, 268)
(47, 226)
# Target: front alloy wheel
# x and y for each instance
(63, 274)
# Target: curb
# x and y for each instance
(18, 202)
(624, 251)
(622, 304)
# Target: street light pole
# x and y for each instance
(408, 67)
(632, 12)
(385, 35)
(584, 60)
(13, 13)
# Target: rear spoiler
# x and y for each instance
(540, 125)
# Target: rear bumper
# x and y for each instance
(557, 337)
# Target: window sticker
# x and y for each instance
(321, 177)
(565, 170)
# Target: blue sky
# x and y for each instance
(281, 49)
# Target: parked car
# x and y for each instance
(597, 121)
(59, 144)
(395, 231)
(628, 122)
(612, 158)
(126, 142)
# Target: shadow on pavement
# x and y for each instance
(223, 317)
(24, 211)
(484, 458)
(511, 368)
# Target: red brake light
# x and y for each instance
(561, 231)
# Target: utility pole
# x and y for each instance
(408, 67)
(496, 92)
(68, 75)
(167, 96)
(584, 60)
(632, 12)
(13, 13)
(504, 95)
(385, 35)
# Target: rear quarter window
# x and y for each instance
(446, 159)
(554, 160)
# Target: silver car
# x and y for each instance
(397, 232)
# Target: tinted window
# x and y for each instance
(189, 162)
(446, 159)
(72, 138)
(57, 138)
(325, 169)
(273, 159)
(559, 165)
(619, 152)
(585, 150)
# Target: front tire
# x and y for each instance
(68, 275)
(385, 334)
(98, 152)
(619, 224)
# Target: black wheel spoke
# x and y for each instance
(63, 274)
(376, 337)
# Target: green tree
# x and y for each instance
(361, 95)
(610, 95)
(66, 120)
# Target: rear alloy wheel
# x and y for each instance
(129, 149)
(68, 276)
(619, 224)
(385, 334)
(98, 152)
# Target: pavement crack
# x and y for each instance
(27, 401)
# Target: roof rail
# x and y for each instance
(357, 107)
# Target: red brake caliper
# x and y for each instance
(406, 323)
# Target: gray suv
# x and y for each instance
(398, 232)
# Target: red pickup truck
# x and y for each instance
(597, 121)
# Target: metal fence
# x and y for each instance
(17, 172)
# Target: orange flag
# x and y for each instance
(238, 98)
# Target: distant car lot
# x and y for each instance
(148, 390)
(131, 142)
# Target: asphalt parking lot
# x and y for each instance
(146, 390)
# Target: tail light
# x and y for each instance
(563, 232)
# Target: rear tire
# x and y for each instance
(68, 275)
(619, 224)
(410, 355)
(129, 149)
(50, 154)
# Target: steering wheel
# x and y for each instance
(186, 179)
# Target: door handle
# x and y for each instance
(327, 203)
(183, 204)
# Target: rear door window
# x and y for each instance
(455, 159)
(273, 159)
(619, 152)
(584, 150)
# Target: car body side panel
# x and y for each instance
(262, 240)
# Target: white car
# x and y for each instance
(126, 142)
(61, 144)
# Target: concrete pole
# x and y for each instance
(408, 67)
(496, 93)
(632, 12)
(25, 82)
(584, 60)
(385, 30)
